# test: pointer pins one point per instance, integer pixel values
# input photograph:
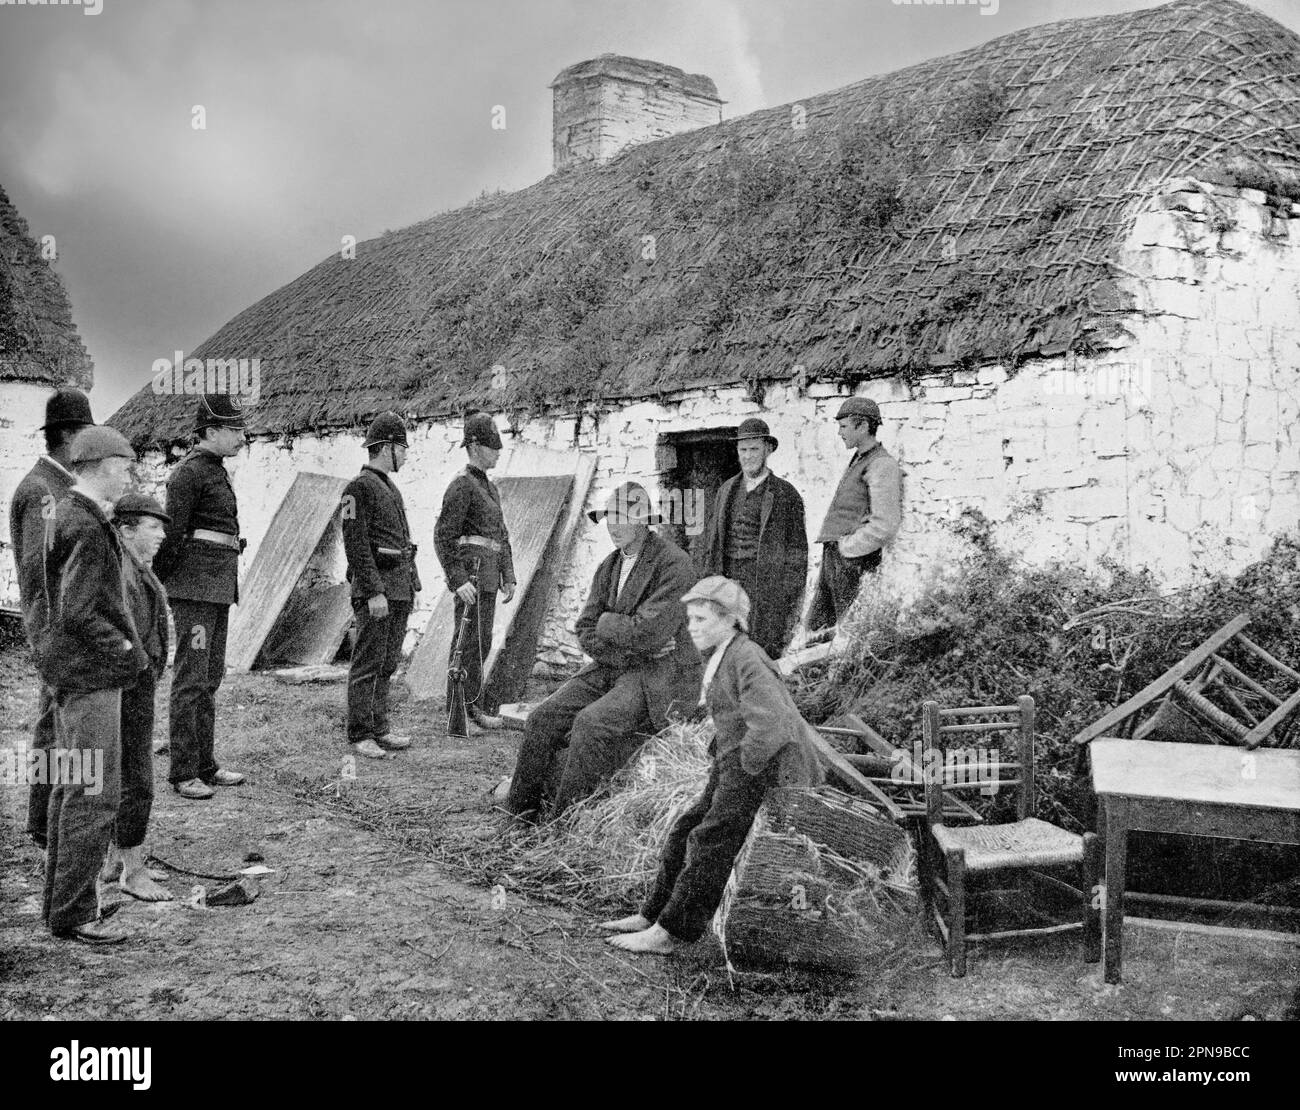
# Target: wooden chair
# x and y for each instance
(1211, 694)
(954, 853)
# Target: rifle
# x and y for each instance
(457, 724)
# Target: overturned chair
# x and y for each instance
(1211, 694)
(952, 855)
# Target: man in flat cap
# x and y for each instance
(644, 665)
(88, 651)
(381, 568)
(141, 525)
(31, 531)
(472, 543)
(863, 516)
(757, 538)
(199, 565)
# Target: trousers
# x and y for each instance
(595, 723)
(837, 585)
(82, 814)
(38, 794)
(375, 658)
(137, 761)
(198, 670)
(477, 646)
(702, 846)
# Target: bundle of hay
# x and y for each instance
(605, 849)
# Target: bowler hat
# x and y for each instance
(754, 428)
(481, 428)
(67, 406)
(99, 442)
(219, 410)
(131, 506)
(859, 406)
(387, 427)
(726, 593)
(629, 502)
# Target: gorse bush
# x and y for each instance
(1079, 642)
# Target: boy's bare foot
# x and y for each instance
(138, 884)
(656, 940)
(634, 924)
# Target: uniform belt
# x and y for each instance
(481, 541)
(209, 536)
(389, 551)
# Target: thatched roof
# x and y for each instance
(962, 210)
(38, 341)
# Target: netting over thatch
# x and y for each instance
(38, 341)
(963, 210)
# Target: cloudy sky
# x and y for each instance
(349, 117)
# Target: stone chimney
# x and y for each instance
(611, 102)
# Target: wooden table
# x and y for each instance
(1192, 789)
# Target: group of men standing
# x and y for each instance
(95, 614)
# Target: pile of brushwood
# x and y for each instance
(1080, 643)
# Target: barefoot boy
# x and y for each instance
(760, 741)
(140, 522)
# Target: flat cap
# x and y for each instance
(130, 506)
(98, 442)
(628, 502)
(859, 406)
(726, 593)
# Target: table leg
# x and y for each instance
(1116, 818)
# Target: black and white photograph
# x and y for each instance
(588, 511)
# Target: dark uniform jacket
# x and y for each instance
(375, 526)
(472, 507)
(648, 619)
(31, 528)
(148, 602)
(86, 638)
(752, 710)
(199, 495)
(782, 565)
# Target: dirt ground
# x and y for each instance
(359, 922)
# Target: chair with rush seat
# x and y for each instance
(953, 855)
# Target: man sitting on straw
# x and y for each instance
(760, 741)
(644, 666)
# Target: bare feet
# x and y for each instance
(138, 884)
(634, 924)
(656, 940)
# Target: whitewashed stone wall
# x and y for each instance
(22, 412)
(1176, 451)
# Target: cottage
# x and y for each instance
(1066, 263)
(39, 351)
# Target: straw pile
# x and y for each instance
(605, 849)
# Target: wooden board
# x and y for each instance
(295, 531)
(311, 627)
(533, 509)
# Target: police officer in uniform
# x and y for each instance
(199, 565)
(31, 530)
(470, 539)
(381, 568)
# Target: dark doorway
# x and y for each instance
(692, 465)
